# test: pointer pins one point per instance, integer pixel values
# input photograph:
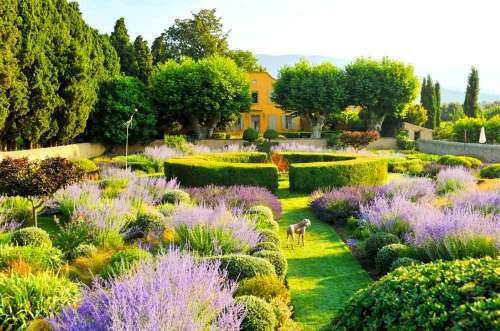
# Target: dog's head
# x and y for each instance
(306, 222)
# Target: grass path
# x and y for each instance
(322, 275)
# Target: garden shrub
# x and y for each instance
(450, 180)
(358, 139)
(265, 287)
(31, 236)
(178, 142)
(334, 171)
(85, 165)
(176, 197)
(259, 314)
(108, 239)
(263, 223)
(15, 209)
(146, 220)
(404, 142)
(491, 171)
(444, 131)
(73, 234)
(458, 295)
(271, 134)
(263, 217)
(219, 135)
(223, 169)
(269, 236)
(85, 250)
(492, 130)
(240, 267)
(124, 260)
(166, 209)
(260, 210)
(390, 253)
(463, 161)
(250, 134)
(378, 240)
(27, 297)
(404, 262)
(36, 257)
(333, 140)
(277, 259)
(406, 166)
(137, 162)
(268, 246)
(471, 126)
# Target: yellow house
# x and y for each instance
(264, 114)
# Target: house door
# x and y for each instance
(255, 122)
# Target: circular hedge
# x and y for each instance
(239, 267)
(259, 314)
(226, 169)
(457, 295)
(311, 171)
(31, 236)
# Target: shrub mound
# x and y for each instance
(311, 171)
(458, 295)
(250, 134)
(35, 258)
(464, 161)
(176, 197)
(259, 314)
(260, 210)
(269, 236)
(31, 236)
(239, 168)
(241, 267)
(265, 246)
(491, 171)
(390, 253)
(277, 260)
(265, 287)
(404, 262)
(123, 260)
(378, 240)
(271, 134)
(85, 165)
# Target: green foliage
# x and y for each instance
(381, 87)
(378, 240)
(38, 258)
(471, 102)
(259, 314)
(223, 169)
(260, 210)
(108, 239)
(490, 109)
(265, 287)
(444, 131)
(27, 297)
(296, 90)
(137, 162)
(358, 139)
(147, 219)
(492, 130)
(464, 161)
(122, 261)
(340, 171)
(176, 197)
(219, 135)
(467, 129)
(73, 234)
(240, 267)
(277, 260)
(118, 99)
(178, 142)
(143, 59)
(403, 262)
(390, 253)
(271, 134)
(85, 250)
(491, 171)
(404, 142)
(430, 98)
(415, 114)
(17, 209)
(406, 166)
(245, 60)
(269, 236)
(85, 165)
(268, 246)
(121, 42)
(452, 112)
(31, 236)
(458, 295)
(204, 95)
(250, 134)
(207, 241)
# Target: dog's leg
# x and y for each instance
(293, 241)
(303, 235)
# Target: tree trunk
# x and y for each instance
(34, 213)
(316, 125)
(374, 122)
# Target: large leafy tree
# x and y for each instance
(202, 94)
(471, 102)
(144, 59)
(197, 37)
(381, 87)
(311, 91)
(415, 114)
(121, 42)
(118, 99)
(245, 60)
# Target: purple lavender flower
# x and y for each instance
(296, 147)
(413, 189)
(454, 179)
(161, 153)
(485, 202)
(108, 214)
(172, 293)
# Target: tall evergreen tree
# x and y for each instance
(437, 99)
(144, 59)
(429, 96)
(121, 42)
(471, 102)
(159, 50)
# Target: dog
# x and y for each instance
(300, 229)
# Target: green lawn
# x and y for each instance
(324, 274)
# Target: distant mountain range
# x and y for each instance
(273, 63)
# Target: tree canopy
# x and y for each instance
(245, 60)
(312, 91)
(202, 94)
(381, 87)
(471, 102)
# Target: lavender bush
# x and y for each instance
(296, 147)
(242, 197)
(454, 179)
(172, 293)
(485, 202)
(413, 189)
(158, 154)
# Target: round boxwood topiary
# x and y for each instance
(269, 236)
(123, 260)
(378, 240)
(268, 246)
(240, 267)
(277, 260)
(404, 262)
(266, 287)
(250, 134)
(31, 236)
(84, 250)
(271, 134)
(176, 197)
(259, 314)
(459, 295)
(147, 220)
(464, 161)
(491, 171)
(390, 253)
(260, 210)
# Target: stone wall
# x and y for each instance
(419, 131)
(485, 152)
(74, 151)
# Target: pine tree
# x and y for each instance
(437, 98)
(159, 49)
(471, 105)
(144, 59)
(121, 42)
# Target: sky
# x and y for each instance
(441, 37)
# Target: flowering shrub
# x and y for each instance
(455, 179)
(238, 196)
(358, 139)
(485, 202)
(413, 189)
(296, 147)
(174, 292)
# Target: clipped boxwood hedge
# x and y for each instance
(491, 171)
(457, 295)
(464, 161)
(248, 168)
(311, 171)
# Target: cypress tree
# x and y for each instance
(437, 98)
(428, 101)
(121, 42)
(159, 49)
(471, 105)
(144, 59)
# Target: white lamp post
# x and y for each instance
(128, 124)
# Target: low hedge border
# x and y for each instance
(225, 169)
(312, 171)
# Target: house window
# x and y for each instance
(254, 81)
(238, 125)
(273, 121)
(255, 97)
(289, 122)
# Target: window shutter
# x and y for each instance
(283, 122)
